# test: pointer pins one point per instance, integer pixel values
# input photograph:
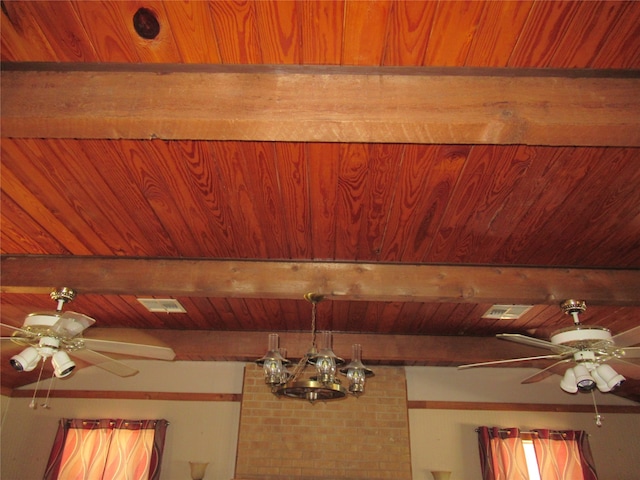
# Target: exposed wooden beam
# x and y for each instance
(335, 280)
(322, 104)
(377, 349)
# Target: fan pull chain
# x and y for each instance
(598, 417)
(51, 382)
(33, 404)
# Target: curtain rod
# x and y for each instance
(529, 432)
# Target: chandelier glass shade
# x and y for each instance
(323, 383)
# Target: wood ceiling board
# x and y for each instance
(497, 33)
(408, 216)
(322, 27)
(554, 206)
(316, 104)
(193, 31)
(410, 23)
(452, 33)
(529, 34)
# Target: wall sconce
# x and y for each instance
(198, 469)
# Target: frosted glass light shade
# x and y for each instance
(583, 379)
(568, 382)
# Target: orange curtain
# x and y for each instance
(502, 454)
(107, 449)
(564, 455)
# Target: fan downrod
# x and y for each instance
(571, 306)
(63, 295)
(574, 308)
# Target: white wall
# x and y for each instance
(208, 431)
(198, 431)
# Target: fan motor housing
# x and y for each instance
(581, 336)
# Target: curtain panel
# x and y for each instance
(502, 454)
(561, 454)
(564, 455)
(107, 449)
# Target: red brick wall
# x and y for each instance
(354, 438)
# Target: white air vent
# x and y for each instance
(507, 312)
(164, 305)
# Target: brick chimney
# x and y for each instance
(352, 438)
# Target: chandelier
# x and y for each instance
(323, 385)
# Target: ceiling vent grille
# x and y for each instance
(164, 305)
(507, 312)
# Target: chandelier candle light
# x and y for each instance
(323, 385)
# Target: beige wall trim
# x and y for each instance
(171, 396)
(519, 407)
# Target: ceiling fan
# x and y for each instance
(588, 350)
(58, 335)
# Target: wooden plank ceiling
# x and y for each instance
(560, 206)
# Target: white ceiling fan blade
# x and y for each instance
(104, 362)
(18, 339)
(20, 336)
(627, 338)
(512, 360)
(72, 324)
(544, 373)
(628, 369)
(17, 329)
(535, 342)
(631, 352)
(125, 348)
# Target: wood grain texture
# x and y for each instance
(161, 49)
(107, 29)
(452, 33)
(387, 202)
(193, 31)
(237, 31)
(339, 281)
(322, 26)
(497, 33)
(542, 33)
(279, 31)
(375, 32)
(409, 27)
(364, 32)
(586, 34)
(619, 49)
(324, 161)
(317, 105)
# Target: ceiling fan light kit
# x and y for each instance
(58, 334)
(589, 347)
(324, 385)
(26, 360)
